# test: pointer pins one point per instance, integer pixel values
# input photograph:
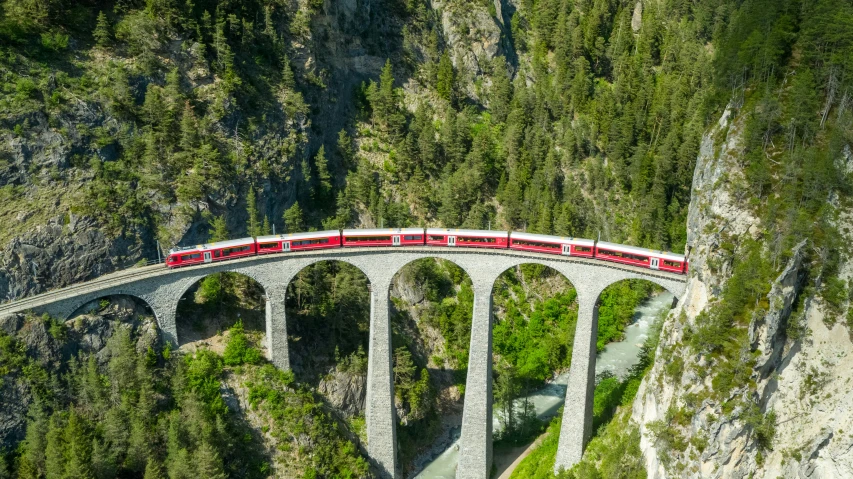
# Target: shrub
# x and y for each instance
(238, 350)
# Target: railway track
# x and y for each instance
(155, 269)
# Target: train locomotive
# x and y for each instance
(402, 237)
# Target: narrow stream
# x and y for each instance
(618, 358)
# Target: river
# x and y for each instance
(618, 357)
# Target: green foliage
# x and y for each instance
(445, 84)
(219, 229)
(253, 224)
(102, 34)
(238, 349)
(293, 219)
(296, 413)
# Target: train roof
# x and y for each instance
(218, 244)
(383, 231)
(552, 238)
(638, 250)
(298, 236)
(486, 233)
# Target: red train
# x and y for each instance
(225, 250)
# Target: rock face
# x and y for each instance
(68, 250)
(803, 378)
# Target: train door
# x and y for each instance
(655, 263)
(395, 240)
(207, 257)
(285, 246)
(567, 249)
(451, 241)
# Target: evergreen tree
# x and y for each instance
(153, 470)
(345, 147)
(287, 78)
(293, 222)
(266, 229)
(323, 176)
(102, 34)
(219, 229)
(253, 225)
(208, 463)
(445, 84)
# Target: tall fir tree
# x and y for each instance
(253, 225)
(102, 34)
(293, 221)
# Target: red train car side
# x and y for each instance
(469, 238)
(551, 244)
(299, 242)
(646, 258)
(211, 252)
(383, 237)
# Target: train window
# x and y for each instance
(671, 264)
(620, 254)
(435, 238)
(412, 237)
(537, 244)
(583, 249)
(468, 239)
(217, 254)
(268, 245)
(187, 257)
(369, 238)
(238, 249)
(310, 242)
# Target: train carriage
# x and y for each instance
(646, 258)
(469, 238)
(211, 252)
(551, 244)
(383, 237)
(299, 241)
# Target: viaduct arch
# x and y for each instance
(161, 289)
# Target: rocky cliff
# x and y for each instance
(789, 413)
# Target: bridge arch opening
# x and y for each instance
(431, 305)
(534, 316)
(328, 325)
(216, 303)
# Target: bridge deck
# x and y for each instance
(132, 275)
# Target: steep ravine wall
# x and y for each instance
(805, 380)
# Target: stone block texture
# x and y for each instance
(161, 289)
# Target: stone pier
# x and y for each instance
(475, 454)
(577, 412)
(380, 412)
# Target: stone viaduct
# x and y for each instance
(161, 289)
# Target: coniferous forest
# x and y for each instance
(718, 128)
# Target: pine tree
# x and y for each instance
(253, 225)
(54, 450)
(266, 229)
(189, 129)
(287, 78)
(293, 222)
(323, 176)
(207, 462)
(445, 82)
(102, 31)
(153, 470)
(345, 147)
(219, 229)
